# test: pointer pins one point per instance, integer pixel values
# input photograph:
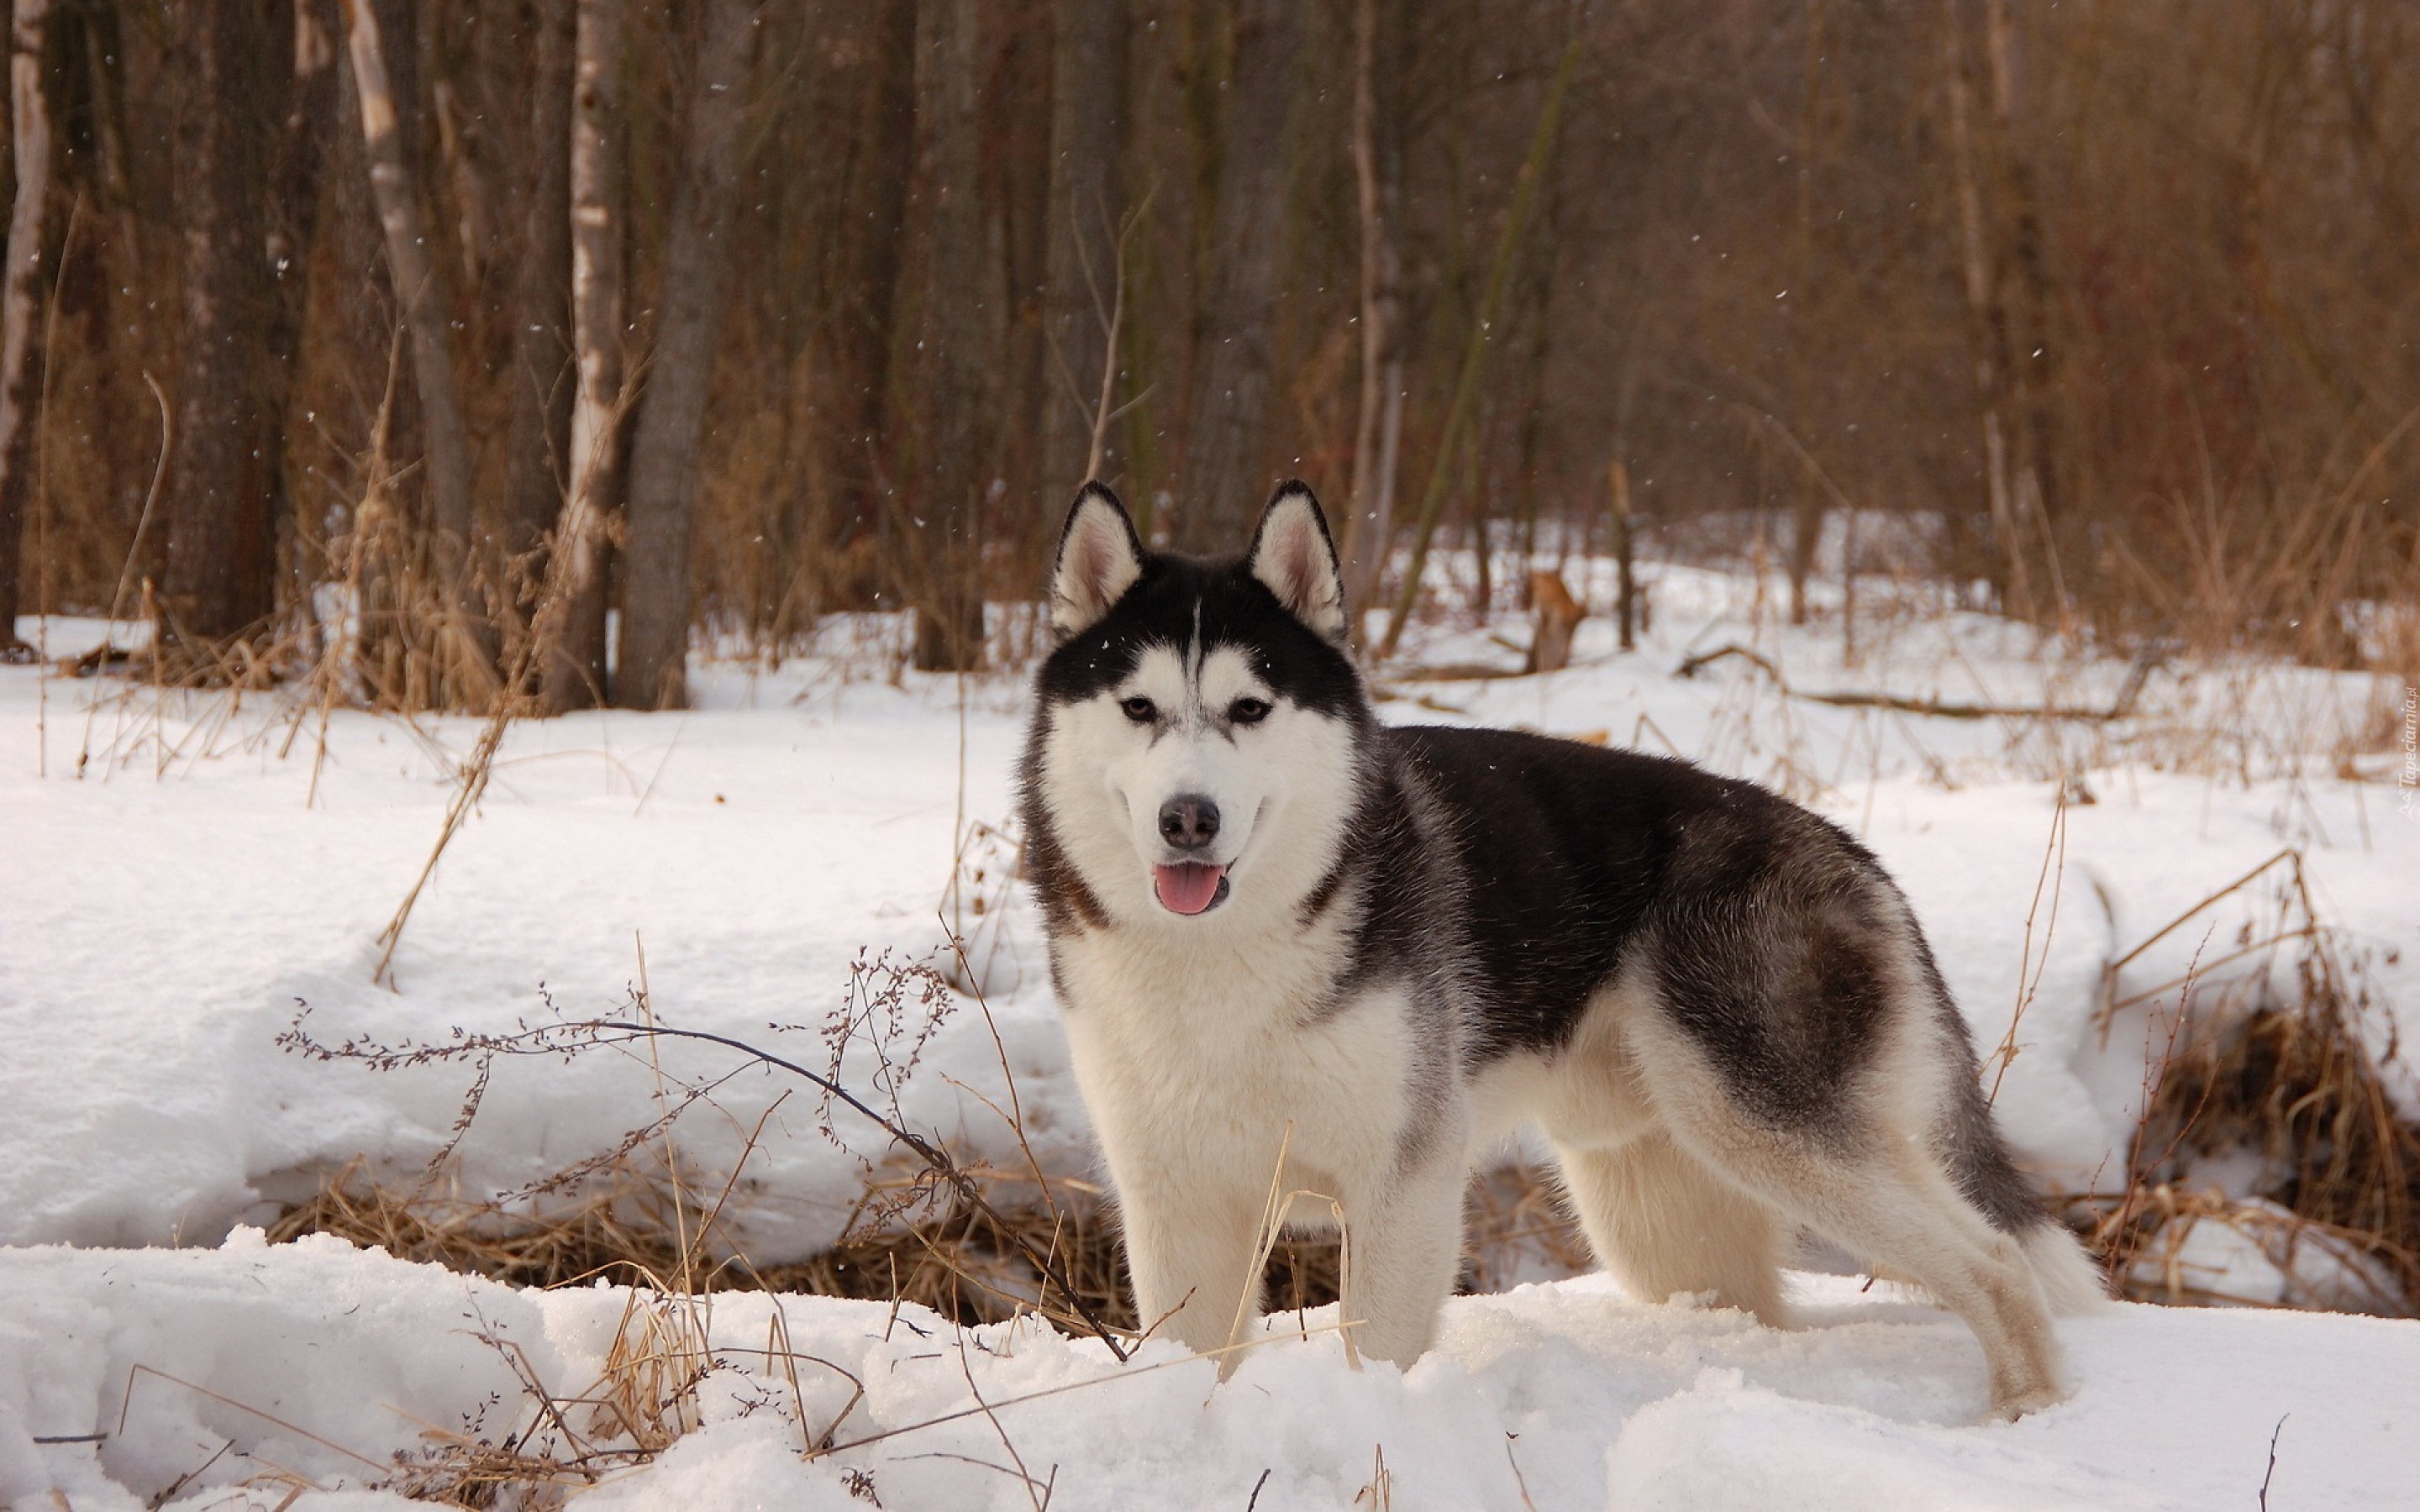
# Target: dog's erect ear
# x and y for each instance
(1294, 557)
(1099, 559)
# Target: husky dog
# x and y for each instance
(1301, 952)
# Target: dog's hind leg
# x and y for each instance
(1662, 1221)
(1896, 1209)
(1915, 1222)
(1799, 1041)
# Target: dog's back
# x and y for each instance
(1569, 849)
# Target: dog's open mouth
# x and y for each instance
(1189, 887)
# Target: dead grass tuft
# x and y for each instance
(967, 1264)
(2271, 1066)
(621, 1228)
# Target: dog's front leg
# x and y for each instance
(1402, 1251)
(1192, 1254)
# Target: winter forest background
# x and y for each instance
(426, 330)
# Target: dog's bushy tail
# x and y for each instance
(2069, 1279)
(2071, 1282)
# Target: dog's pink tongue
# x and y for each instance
(1187, 887)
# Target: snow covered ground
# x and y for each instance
(165, 913)
(1552, 1396)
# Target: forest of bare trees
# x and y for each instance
(448, 334)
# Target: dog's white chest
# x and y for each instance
(1213, 1056)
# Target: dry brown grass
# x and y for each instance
(621, 1228)
(2273, 1062)
(965, 1264)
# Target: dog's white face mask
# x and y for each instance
(1184, 782)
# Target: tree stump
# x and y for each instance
(1558, 614)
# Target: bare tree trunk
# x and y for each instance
(1016, 115)
(542, 388)
(1482, 546)
(1226, 433)
(1529, 427)
(1088, 126)
(420, 288)
(1625, 584)
(2034, 350)
(115, 317)
(1377, 433)
(104, 51)
(1807, 518)
(1986, 319)
(573, 674)
(389, 648)
(652, 669)
(942, 546)
(24, 296)
(221, 544)
(296, 174)
(870, 286)
(1555, 617)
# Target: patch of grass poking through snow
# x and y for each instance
(974, 1244)
(967, 1264)
(2272, 1162)
(968, 1244)
(888, 1002)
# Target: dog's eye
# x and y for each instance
(1140, 710)
(1249, 711)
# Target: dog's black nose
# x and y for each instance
(1188, 821)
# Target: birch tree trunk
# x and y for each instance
(571, 640)
(24, 295)
(420, 291)
(1226, 435)
(1088, 128)
(952, 422)
(220, 578)
(539, 377)
(652, 669)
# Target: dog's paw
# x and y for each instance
(2009, 1406)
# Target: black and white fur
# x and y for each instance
(1277, 925)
